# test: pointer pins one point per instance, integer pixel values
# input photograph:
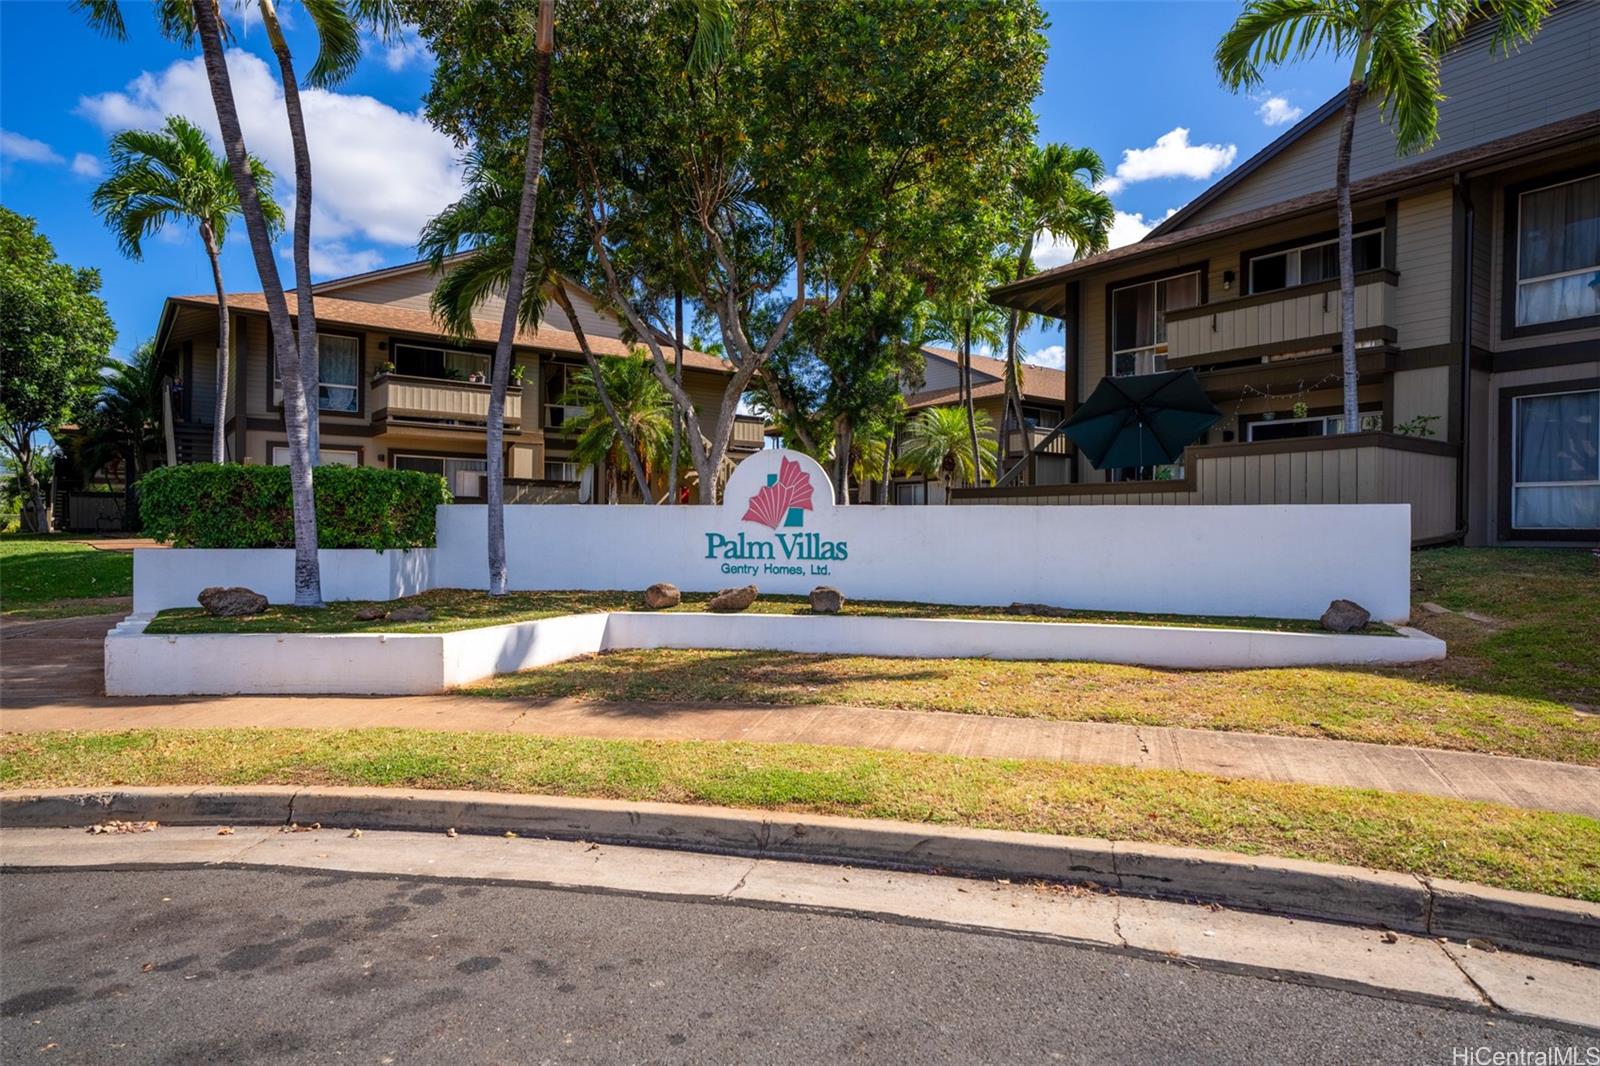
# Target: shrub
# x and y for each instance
(210, 505)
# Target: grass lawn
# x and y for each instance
(49, 576)
(1529, 850)
(455, 609)
(1525, 683)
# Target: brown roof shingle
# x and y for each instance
(363, 314)
(1038, 382)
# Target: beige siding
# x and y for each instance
(1367, 474)
(1422, 256)
(1423, 392)
(1487, 97)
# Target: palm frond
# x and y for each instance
(1271, 32)
(104, 17)
(1404, 74)
(339, 42)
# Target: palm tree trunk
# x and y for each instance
(559, 291)
(888, 458)
(219, 444)
(966, 378)
(677, 375)
(307, 573)
(1347, 272)
(305, 312)
(1011, 413)
(500, 373)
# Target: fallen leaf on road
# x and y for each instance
(355, 834)
(117, 826)
(1389, 938)
(1479, 944)
(451, 832)
(225, 831)
(147, 967)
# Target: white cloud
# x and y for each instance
(403, 50)
(380, 173)
(1172, 156)
(15, 148)
(1276, 111)
(1131, 226)
(334, 260)
(86, 166)
(1052, 355)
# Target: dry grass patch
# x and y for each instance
(1527, 850)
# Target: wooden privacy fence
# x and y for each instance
(1347, 468)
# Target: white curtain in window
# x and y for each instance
(1556, 484)
(339, 362)
(1558, 253)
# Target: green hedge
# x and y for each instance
(210, 505)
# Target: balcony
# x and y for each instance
(749, 434)
(440, 402)
(1022, 443)
(1305, 320)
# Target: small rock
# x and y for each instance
(661, 595)
(825, 599)
(1479, 944)
(735, 599)
(235, 602)
(410, 614)
(1041, 610)
(1345, 616)
(371, 614)
(355, 834)
(1390, 938)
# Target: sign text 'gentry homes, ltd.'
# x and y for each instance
(779, 529)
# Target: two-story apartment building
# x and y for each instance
(397, 392)
(1044, 405)
(1478, 311)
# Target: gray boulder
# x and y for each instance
(1345, 616)
(371, 614)
(825, 599)
(233, 602)
(410, 614)
(1040, 610)
(662, 595)
(735, 599)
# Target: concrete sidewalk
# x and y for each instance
(1496, 779)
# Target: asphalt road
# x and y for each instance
(214, 966)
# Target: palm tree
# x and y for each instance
(167, 176)
(184, 22)
(480, 223)
(936, 446)
(337, 23)
(959, 321)
(1054, 192)
(641, 407)
(1395, 48)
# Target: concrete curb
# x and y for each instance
(1520, 921)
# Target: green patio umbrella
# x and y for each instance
(1141, 419)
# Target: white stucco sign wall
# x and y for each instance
(780, 531)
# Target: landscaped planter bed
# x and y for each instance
(143, 663)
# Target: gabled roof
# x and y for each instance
(1043, 293)
(363, 314)
(1249, 166)
(1039, 383)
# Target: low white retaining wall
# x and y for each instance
(139, 664)
(164, 578)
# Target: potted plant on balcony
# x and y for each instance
(385, 368)
(517, 370)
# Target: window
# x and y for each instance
(1318, 426)
(558, 381)
(339, 367)
(561, 471)
(327, 456)
(1315, 261)
(425, 362)
(1139, 321)
(464, 476)
(1040, 417)
(1558, 252)
(1555, 461)
(911, 492)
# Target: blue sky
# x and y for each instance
(1131, 80)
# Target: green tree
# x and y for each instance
(936, 446)
(961, 319)
(802, 143)
(639, 421)
(1054, 193)
(55, 334)
(171, 176)
(201, 19)
(1394, 48)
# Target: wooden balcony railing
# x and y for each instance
(748, 433)
(440, 401)
(1302, 319)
